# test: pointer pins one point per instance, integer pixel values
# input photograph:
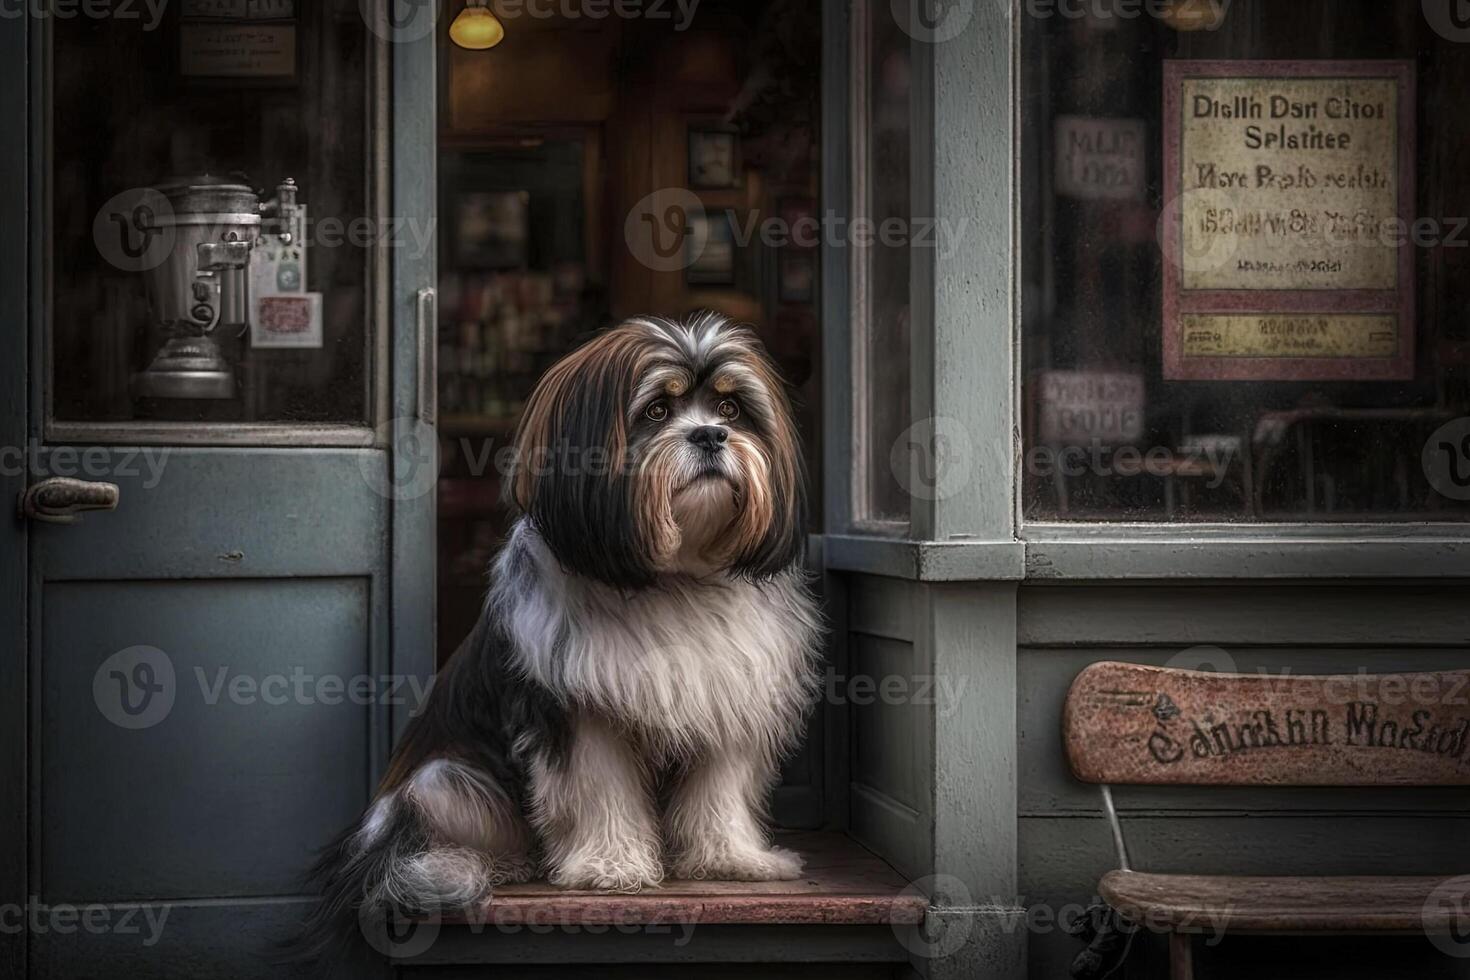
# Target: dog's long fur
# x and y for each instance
(645, 654)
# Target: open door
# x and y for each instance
(226, 493)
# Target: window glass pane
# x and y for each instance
(884, 307)
(1245, 273)
(210, 226)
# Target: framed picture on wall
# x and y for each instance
(710, 250)
(492, 229)
(714, 158)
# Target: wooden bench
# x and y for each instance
(1128, 724)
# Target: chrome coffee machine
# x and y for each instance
(199, 296)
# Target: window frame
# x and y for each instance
(378, 313)
(1142, 550)
(966, 357)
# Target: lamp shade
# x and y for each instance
(476, 28)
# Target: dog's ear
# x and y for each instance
(771, 529)
(571, 473)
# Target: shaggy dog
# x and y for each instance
(645, 656)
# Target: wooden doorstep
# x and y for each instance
(1196, 903)
(844, 884)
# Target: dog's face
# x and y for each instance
(662, 447)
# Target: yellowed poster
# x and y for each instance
(1287, 223)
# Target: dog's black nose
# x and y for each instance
(709, 437)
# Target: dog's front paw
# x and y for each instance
(765, 864)
(621, 874)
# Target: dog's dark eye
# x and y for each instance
(657, 412)
(729, 409)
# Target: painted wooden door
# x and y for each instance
(220, 234)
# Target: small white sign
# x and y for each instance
(1101, 159)
(237, 50)
(1080, 407)
(287, 320)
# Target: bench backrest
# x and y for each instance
(1131, 724)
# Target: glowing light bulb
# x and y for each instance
(476, 28)
(1194, 15)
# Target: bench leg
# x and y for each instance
(1181, 956)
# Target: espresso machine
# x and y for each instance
(199, 296)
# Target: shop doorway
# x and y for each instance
(592, 169)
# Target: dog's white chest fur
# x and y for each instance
(686, 665)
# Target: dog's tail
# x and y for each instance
(442, 831)
(386, 882)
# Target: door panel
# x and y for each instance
(252, 751)
(270, 555)
(188, 513)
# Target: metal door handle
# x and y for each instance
(427, 311)
(57, 500)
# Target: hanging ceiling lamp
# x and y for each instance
(1194, 15)
(477, 28)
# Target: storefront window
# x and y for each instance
(211, 231)
(1245, 262)
(881, 264)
